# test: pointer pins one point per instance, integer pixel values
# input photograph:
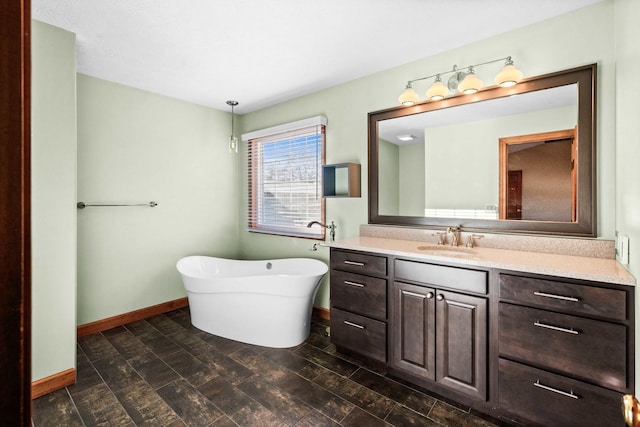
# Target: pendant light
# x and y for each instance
(233, 141)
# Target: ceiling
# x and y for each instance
(264, 52)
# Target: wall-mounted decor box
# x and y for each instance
(341, 180)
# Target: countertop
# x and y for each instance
(576, 267)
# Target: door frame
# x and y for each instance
(503, 169)
(15, 212)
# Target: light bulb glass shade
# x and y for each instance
(437, 91)
(233, 144)
(470, 84)
(408, 96)
(233, 141)
(508, 76)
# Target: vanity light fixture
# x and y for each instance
(464, 82)
(470, 84)
(408, 96)
(509, 75)
(438, 90)
(233, 140)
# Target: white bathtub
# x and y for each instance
(265, 303)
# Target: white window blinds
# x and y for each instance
(285, 181)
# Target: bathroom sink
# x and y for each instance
(455, 251)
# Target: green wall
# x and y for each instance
(136, 146)
(412, 182)
(563, 42)
(401, 186)
(389, 155)
(53, 199)
(463, 160)
(627, 34)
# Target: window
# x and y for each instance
(285, 178)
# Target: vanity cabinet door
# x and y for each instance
(461, 343)
(441, 336)
(414, 330)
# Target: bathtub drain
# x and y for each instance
(269, 266)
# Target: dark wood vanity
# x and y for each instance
(531, 339)
(359, 288)
(522, 347)
(439, 325)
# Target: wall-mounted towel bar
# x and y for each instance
(82, 205)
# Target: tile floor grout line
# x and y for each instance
(155, 390)
(75, 406)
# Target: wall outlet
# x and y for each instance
(622, 248)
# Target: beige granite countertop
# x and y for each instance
(576, 267)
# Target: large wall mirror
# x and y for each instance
(518, 159)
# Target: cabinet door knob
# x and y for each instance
(430, 295)
(440, 297)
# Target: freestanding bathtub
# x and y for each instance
(266, 303)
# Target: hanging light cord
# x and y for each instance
(233, 143)
(232, 104)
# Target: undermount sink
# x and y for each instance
(447, 250)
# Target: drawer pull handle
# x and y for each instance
(358, 285)
(355, 325)
(561, 297)
(413, 294)
(555, 390)
(440, 297)
(359, 264)
(556, 328)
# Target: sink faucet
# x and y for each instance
(332, 228)
(455, 235)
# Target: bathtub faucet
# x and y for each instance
(332, 228)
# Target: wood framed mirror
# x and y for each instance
(456, 169)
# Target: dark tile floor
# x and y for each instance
(163, 372)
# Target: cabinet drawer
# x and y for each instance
(360, 334)
(589, 349)
(360, 294)
(359, 263)
(439, 275)
(553, 400)
(571, 297)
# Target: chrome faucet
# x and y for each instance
(455, 235)
(442, 237)
(471, 240)
(332, 228)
